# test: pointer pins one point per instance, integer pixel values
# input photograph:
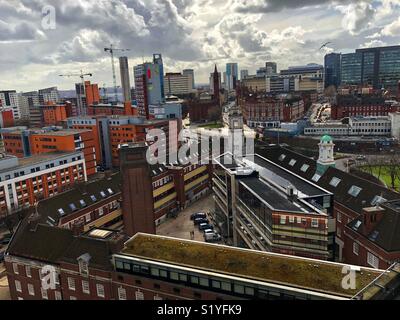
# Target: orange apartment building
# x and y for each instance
(109, 132)
(92, 93)
(55, 115)
(66, 140)
(14, 144)
(26, 181)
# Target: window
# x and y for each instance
(377, 200)
(88, 217)
(356, 248)
(28, 271)
(31, 289)
(339, 217)
(298, 219)
(354, 191)
(283, 219)
(238, 288)
(282, 157)
(57, 295)
(314, 223)
(18, 286)
(316, 177)
(292, 162)
(100, 290)
(139, 295)
(372, 260)
(339, 232)
(304, 167)
(44, 293)
(15, 268)
(72, 298)
(61, 212)
(94, 199)
(71, 283)
(335, 182)
(194, 280)
(226, 286)
(216, 284)
(291, 219)
(85, 287)
(82, 203)
(121, 293)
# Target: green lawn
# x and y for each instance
(213, 125)
(383, 175)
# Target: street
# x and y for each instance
(181, 226)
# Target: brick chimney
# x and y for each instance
(371, 217)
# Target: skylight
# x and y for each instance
(61, 211)
(357, 225)
(110, 191)
(377, 200)
(103, 194)
(374, 235)
(304, 167)
(282, 157)
(94, 199)
(292, 162)
(316, 177)
(72, 207)
(82, 203)
(354, 191)
(335, 182)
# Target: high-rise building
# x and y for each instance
(87, 95)
(332, 69)
(125, 81)
(271, 68)
(378, 67)
(49, 95)
(9, 98)
(178, 84)
(232, 75)
(351, 69)
(243, 74)
(190, 73)
(149, 84)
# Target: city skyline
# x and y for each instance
(190, 34)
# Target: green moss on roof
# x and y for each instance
(302, 273)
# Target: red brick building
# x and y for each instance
(97, 266)
(261, 110)
(367, 228)
(350, 105)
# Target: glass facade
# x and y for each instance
(351, 68)
(389, 69)
(332, 69)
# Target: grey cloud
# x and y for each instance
(266, 6)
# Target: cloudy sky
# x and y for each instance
(189, 34)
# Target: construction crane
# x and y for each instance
(81, 109)
(111, 49)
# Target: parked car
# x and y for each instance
(212, 237)
(208, 231)
(205, 226)
(361, 158)
(198, 215)
(200, 220)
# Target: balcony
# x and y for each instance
(196, 182)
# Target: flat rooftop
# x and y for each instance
(275, 199)
(37, 158)
(284, 178)
(302, 273)
(62, 132)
